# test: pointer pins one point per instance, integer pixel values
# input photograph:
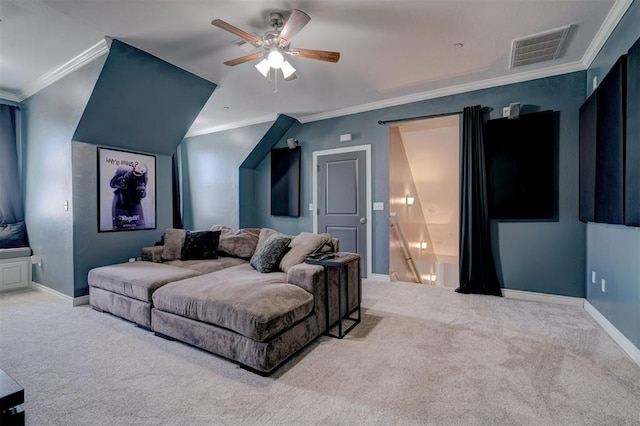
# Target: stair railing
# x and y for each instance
(397, 228)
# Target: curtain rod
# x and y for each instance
(424, 117)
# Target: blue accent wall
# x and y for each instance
(92, 248)
(49, 120)
(211, 176)
(251, 186)
(546, 257)
(613, 252)
(141, 102)
(140, 113)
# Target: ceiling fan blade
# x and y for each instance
(237, 31)
(319, 55)
(295, 23)
(291, 77)
(243, 59)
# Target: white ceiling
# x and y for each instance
(391, 52)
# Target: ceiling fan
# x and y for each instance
(276, 44)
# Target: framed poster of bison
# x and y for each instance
(126, 190)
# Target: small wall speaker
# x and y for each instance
(292, 143)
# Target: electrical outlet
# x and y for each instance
(603, 285)
(593, 277)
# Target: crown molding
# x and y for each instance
(610, 22)
(9, 96)
(613, 18)
(63, 70)
(447, 91)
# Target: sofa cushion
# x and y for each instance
(13, 235)
(269, 252)
(263, 235)
(200, 245)
(137, 279)
(237, 242)
(206, 266)
(241, 299)
(13, 253)
(173, 243)
(302, 246)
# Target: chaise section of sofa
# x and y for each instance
(125, 289)
(258, 320)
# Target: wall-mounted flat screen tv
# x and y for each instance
(521, 162)
(285, 182)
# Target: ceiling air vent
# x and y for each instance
(538, 47)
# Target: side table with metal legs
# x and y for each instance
(340, 262)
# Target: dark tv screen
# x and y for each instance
(285, 182)
(520, 156)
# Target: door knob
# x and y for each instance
(363, 220)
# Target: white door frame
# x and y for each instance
(314, 172)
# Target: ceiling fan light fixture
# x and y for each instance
(275, 59)
(264, 67)
(287, 69)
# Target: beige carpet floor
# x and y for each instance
(422, 355)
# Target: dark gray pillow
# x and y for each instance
(200, 245)
(269, 253)
(13, 235)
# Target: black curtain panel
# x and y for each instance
(11, 210)
(175, 191)
(477, 269)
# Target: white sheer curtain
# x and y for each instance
(11, 210)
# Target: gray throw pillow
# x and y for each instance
(302, 246)
(264, 234)
(240, 243)
(173, 242)
(268, 255)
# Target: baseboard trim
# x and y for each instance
(74, 301)
(615, 334)
(81, 300)
(543, 297)
(380, 277)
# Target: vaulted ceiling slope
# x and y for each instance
(141, 102)
(390, 53)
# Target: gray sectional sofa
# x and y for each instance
(238, 303)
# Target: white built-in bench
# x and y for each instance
(15, 268)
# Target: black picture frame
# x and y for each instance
(126, 190)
